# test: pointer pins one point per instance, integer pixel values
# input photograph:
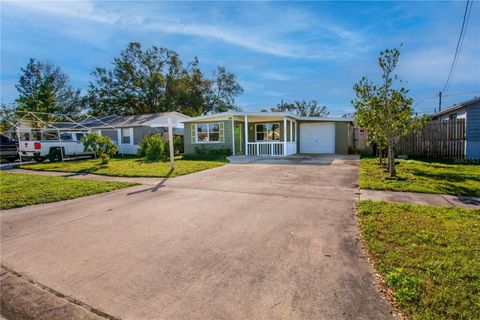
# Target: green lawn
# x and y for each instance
(19, 190)
(132, 166)
(429, 256)
(420, 176)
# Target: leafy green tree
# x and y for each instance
(302, 108)
(156, 80)
(44, 87)
(224, 88)
(102, 146)
(8, 117)
(385, 111)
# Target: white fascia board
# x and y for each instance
(326, 119)
(228, 115)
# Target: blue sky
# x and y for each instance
(289, 50)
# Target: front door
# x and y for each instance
(238, 138)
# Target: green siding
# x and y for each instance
(341, 137)
(191, 145)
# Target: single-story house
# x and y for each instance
(267, 133)
(470, 111)
(128, 131)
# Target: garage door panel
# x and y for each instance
(317, 137)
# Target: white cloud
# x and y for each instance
(265, 33)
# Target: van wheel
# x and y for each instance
(55, 155)
(39, 159)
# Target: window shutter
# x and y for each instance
(222, 132)
(193, 132)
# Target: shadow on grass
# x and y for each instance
(156, 187)
(94, 168)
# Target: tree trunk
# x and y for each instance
(391, 161)
(380, 155)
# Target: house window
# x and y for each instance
(267, 132)
(125, 135)
(453, 116)
(209, 133)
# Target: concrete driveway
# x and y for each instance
(251, 241)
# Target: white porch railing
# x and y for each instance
(269, 148)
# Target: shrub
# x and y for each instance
(213, 152)
(100, 145)
(155, 148)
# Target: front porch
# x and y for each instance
(266, 136)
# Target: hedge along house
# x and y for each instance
(267, 133)
(127, 132)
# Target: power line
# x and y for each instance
(466, 15)
(460, 93)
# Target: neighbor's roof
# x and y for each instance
(458, 106)
(128, 121)
(269, 114)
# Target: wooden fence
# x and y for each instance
(435, 140)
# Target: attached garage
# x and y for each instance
(317, 137)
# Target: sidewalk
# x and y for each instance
(22, 299)
(469, 202)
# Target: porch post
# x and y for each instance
(233, 137)
(284, 136)
(291, 125)
(246, 135)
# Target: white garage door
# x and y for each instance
(317, 137)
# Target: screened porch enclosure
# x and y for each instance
(270, 136)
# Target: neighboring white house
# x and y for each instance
(128, 131)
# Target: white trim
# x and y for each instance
(269, 114)
(119, 136)
(233, 136)
(246, 135)
(264, 123)
(284, 136)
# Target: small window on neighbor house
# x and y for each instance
(125, 135)
(453, 116)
